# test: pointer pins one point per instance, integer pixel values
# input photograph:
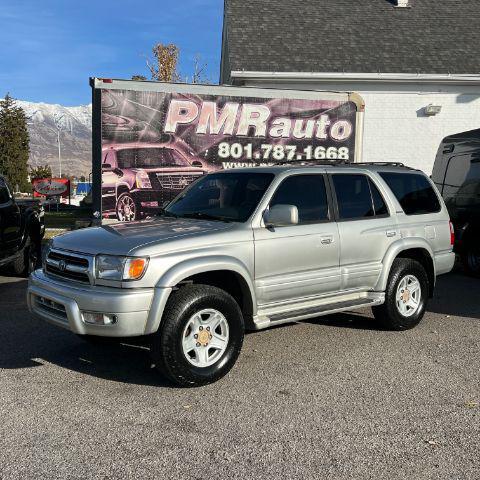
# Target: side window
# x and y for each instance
(413, 191)
(463, 179)
(4, 194)
(354, 199)
(379, 204)
(308, 193)
(110, 159)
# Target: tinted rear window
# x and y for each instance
(378, 201)
(413, 191)
(353, 196)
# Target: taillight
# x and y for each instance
(452, 234)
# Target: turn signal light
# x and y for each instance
(135, 268)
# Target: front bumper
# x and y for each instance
(138, 311)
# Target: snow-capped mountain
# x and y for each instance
(75, 125)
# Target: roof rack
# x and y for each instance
(385, 164)
(320, 163)
(312, 163)
(382, 164)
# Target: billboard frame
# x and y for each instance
(99, 84)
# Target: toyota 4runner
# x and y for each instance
(248, 249)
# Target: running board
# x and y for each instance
(269, 320)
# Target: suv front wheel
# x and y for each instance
(405, 297)
(200, 336)
(127, 209)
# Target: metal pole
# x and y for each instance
(59, 152)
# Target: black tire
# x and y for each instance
(388, 314)
(471, 258)
(28, 261)
(134, 208)
(166, 349)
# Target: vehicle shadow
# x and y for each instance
(456, 294)
(27, 342)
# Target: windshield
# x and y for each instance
(222, 196)
(150, 158)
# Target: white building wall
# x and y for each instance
(395, 126)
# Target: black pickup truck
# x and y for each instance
(21, 231)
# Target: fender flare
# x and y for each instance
(193, 266)
(190, 267)
(121, 186)
(30, 220)
(392, 253)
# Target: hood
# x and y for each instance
(122, 238)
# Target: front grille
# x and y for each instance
(68, 266)
(175, 182)
(80, 261)
(79, 277)
(49, 306)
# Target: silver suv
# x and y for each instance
(248, 249)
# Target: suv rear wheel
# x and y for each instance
(405, 297)
(200, 336)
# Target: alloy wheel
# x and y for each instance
(205, 338)
(409, 295)
(126, 209)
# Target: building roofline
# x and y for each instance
(453, 79)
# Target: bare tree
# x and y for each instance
(199, 69)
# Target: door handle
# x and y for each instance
(391, 233)
(326, 240)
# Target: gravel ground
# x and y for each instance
(331, 398)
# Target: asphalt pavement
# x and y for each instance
(330, 398)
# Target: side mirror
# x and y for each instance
(197, 163)
(106, 167)
(281, 216)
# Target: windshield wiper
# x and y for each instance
(205, 216)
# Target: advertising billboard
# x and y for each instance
(155, 143)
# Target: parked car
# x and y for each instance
(457, 175)
(138, 179)
(21, 231)
(251, 248)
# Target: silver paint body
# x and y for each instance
(292, 272)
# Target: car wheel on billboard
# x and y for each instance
(127, 209)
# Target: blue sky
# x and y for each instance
(49, 48)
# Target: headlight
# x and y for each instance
(142, 180)
(110, 267)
